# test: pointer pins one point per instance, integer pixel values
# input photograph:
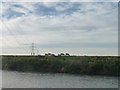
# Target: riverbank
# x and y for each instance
(86, 65)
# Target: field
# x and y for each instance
(84, 65)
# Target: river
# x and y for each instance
(13, 79)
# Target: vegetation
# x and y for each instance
(90, 65)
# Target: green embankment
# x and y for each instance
(90, 65)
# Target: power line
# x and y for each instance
(12, 34)
(19, 26)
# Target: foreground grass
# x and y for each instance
(90, 65)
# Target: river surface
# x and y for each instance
(12, 79)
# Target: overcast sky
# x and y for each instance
(79, 28)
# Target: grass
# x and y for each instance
(86, 65)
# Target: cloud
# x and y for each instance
(45, 1)
(88, 25)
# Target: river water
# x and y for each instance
(12, 79)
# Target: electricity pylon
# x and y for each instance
(33, 50)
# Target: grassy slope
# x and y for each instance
(91, 65)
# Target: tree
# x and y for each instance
(67, 54)
(62, 54)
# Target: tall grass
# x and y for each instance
(90, 65)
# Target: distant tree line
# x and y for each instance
(61, 54)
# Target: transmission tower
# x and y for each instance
(33, 49)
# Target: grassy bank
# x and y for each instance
(90, 65)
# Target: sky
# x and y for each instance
(78, 28)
